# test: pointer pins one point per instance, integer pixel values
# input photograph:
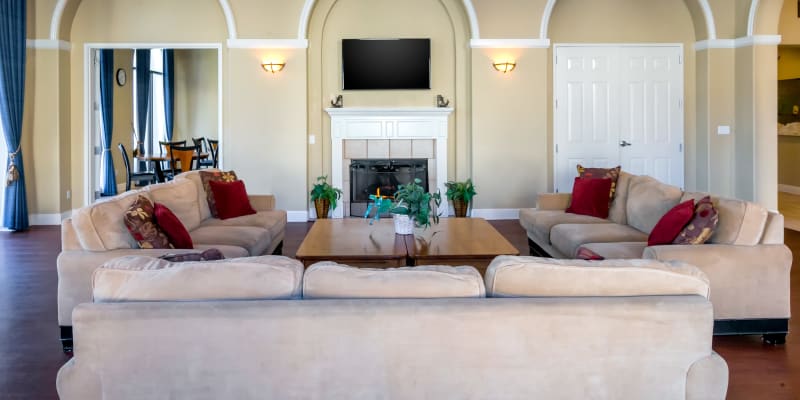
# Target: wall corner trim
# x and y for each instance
(509, 43)
(495, 213)
(267, 43)
(297, 216)
(744, 41)
(48, 44)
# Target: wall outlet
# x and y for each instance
(723, 130)
(312, 139)
(69, 194)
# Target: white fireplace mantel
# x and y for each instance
(388, 123)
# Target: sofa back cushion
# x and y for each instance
(101, 226)
(180, 196)
(512, 276)
(139, 278)
(328, 280)
(740, 222)
(648, 200)
(617, 212)
(194, 177)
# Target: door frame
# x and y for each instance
(88, 66)
(555, 94)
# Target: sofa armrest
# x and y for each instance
(553, 201)
(262, 202)
(747, 282)
(707, 378)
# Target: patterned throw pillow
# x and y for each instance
(702, 225)
(611, 173)
(585, 254)
(217, 176)
(208, 255)
(141, 224)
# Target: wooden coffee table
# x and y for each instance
(453, 241)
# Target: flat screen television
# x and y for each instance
(380, 64)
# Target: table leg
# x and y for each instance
(159, 172)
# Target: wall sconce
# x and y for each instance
(504, 66)
(272, 66)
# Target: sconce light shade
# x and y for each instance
(272, 66)
(504, 66)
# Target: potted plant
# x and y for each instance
(461, 194)
(412, 207)
(324, 196)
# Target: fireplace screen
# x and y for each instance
(367, 176)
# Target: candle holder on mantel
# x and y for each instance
(441, 102)
(338, 103)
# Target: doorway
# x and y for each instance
(618, 105)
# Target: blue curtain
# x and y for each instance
(106, 62)
(12, 99)
(143, 97)
(169, 89)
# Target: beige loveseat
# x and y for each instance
(550, 329)
(97, 233)
(745, 260)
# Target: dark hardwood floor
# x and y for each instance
(31, 353)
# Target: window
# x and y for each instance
(156, 129)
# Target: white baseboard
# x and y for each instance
(49, 219)
(789, 189)
(496, 213)
(297, 216)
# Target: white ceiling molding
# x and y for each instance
(305, 18)
(548, 11)
(58, 12)
(47, 44)
(745, 41)
(711, 26)
(509, 43)
(267, 43)
(751, 18)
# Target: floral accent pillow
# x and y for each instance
(216, 176)
(141, 224)
(701, 226)
(611, 173)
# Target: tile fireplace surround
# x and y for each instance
(398, 132)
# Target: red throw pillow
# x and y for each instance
(590, 197)
(585, 254)
(671, 224)
(231, 199)
(172, 227)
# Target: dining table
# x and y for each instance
(157, 159)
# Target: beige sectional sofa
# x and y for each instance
(745, 260)
(97, 233)
(549, 329)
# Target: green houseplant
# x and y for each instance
(413, 204)
(324, 196)
(461, 194)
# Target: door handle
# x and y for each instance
(624, 143)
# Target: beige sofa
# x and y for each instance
(745, 260)
(97, 233)
(550, 330)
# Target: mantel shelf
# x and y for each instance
(388, 111)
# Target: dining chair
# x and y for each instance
(206, 162)
(182, 159)
(213, 149)
(165, 146)
(130, 176)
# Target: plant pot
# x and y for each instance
(460, 208)
(403, 225)
(322, 206)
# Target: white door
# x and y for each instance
(618, 105)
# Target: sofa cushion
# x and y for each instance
(702, 225)
(180, 196)
(273, 220)
(566, 238)
(671, 224)
(172, 226)
(617, 250)
(648, 201)
(141, 223)
(513, 276)
(100, 226)
(137, 278)
(740, 222)
(538, 223)
(230, 199)
(194, 177)
(590, 197)
(617, 212)
(255, 240)
(327, 280)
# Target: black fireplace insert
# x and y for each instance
(367, 176)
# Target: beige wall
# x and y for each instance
(266, 118)
(196, 94)
(788, 154)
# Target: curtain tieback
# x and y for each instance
(12, 173)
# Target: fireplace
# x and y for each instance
(369, 175)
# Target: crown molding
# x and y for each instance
(267, 43)
(48, 44)
(509, 43)
(744, 41)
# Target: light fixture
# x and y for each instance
(272, 66)
(504, 66)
